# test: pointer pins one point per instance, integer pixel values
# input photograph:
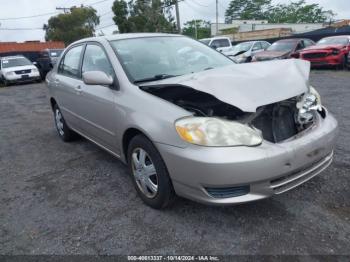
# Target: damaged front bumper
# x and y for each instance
(231, 175)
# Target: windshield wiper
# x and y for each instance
(154, 78)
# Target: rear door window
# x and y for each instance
(220, 43)
(257, 46)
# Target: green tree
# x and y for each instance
(293, 12)
(247, 9)
(121, 13)
(299, 12)
(79, 23)
(143, 16)
(203, 29)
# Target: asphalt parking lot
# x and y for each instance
(59, 198)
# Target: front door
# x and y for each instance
(98, 101)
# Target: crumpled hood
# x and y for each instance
(322, 47)
(249, 86)
(271, 54)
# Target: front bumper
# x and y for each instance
(18, 78)
(326, 61)
(267, 169)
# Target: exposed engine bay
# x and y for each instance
(276, 122)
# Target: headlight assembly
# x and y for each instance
(335, 52)
(211, 132)
(9, 73)
(311, 101)
(308, 103)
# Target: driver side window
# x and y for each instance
(300, 46)
(95, 59)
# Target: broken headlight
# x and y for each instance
(307, 105)
(210, 131)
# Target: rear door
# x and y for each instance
(257, 48)
(98, 101)
(68, 84)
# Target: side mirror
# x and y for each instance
(97, 78)
(35, 63)
(295, 55)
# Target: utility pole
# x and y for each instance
(217, 17)
(178, 16)
(65, 9)
(195, 29)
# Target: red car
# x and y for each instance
(329, 51)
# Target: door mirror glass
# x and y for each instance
(97, 78)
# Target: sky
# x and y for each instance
(189, 9)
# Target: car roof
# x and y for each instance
(129, 36)
(53, 49)
(338, 36)
(11, 57)
(292, 40)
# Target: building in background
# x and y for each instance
(234, 25)
(29, 49)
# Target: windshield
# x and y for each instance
(21, 61)
(243, 47)
(205, 41)
(154, 57)
(55, 53)
(281, 46)
(333, 41)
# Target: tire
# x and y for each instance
(347, 62)
(343, 63)
(145, 178)
(5, 82)
(64, 132)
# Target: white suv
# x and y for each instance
(14, 69)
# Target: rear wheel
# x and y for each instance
(64, 132)
(149, 173)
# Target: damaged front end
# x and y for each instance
(287, 119)
(221, 124)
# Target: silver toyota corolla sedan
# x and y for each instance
(190, 122)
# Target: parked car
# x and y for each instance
(221, 44)
(46, 60)
(283, 49)
(15, 69)
(208, 130)
(244, 52)
(329, 51)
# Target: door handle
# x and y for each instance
(78, 89)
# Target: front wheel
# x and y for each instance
(5, 82)
(64, 132)
(343, 63)
(149, 173)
